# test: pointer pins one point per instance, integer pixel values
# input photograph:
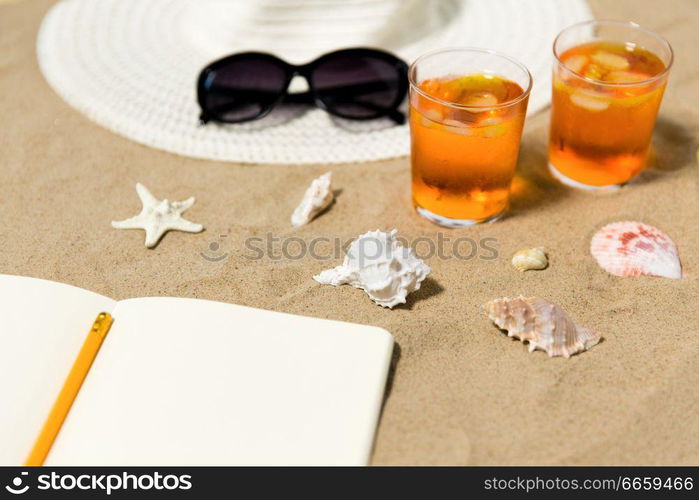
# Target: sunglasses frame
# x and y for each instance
(306, 71)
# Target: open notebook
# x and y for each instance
(186, 382)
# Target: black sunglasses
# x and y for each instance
(359, 84)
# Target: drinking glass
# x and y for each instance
(608, 81)
(467, 109)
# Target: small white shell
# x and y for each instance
(317, 198)
(541, 323)
(376, 263)
(635, 249)
(530, 258)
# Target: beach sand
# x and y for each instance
(460, 391)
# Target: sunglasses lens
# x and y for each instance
(243, 89)
(359, 86)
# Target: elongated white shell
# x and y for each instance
(530, 258)
(635, 249)
(379, 265)
(541, 323)
(317, 198)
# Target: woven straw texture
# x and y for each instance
(131, 66)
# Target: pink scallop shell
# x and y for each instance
(635, 249)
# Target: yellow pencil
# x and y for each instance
(70, 389)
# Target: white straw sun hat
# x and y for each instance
(132, 65)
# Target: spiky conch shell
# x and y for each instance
(635, 249)
(541, 323)
(377, 263)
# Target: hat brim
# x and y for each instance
(126, 65)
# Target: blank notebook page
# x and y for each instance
(183, 381)
(42, 327)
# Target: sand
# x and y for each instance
(461, 392)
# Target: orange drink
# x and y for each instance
(608, 81)
(467, 109)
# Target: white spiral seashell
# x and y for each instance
(317, 198)
(379, 265)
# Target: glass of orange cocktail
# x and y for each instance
(608, 81)
(467, 109)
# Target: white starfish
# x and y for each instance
(158, 217)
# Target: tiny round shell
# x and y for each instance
(530, 258)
